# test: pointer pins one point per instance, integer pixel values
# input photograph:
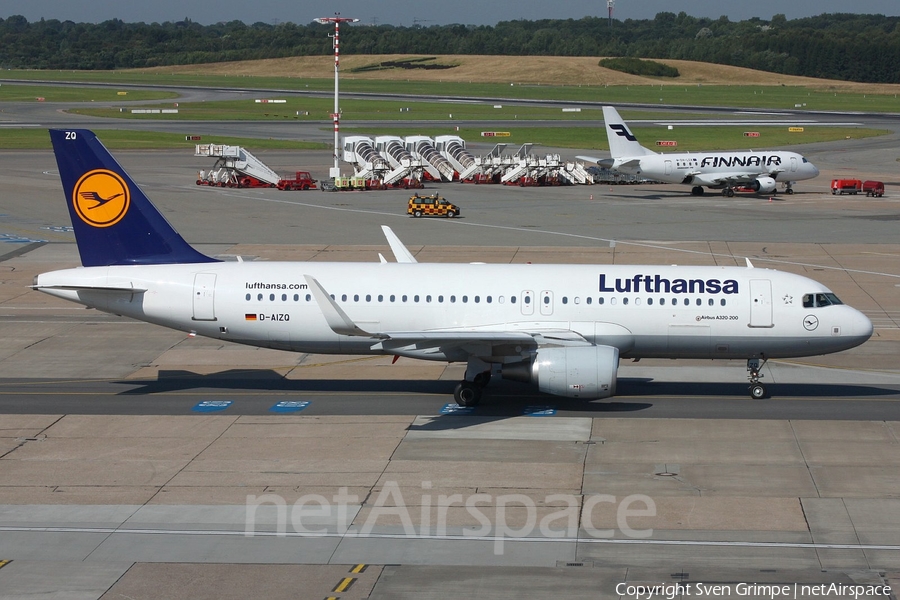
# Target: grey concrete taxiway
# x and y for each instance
(136, 462)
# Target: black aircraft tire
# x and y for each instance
(467, 394)
(757, 391)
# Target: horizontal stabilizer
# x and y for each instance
(90, 288)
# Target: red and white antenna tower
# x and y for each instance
(337, 19)
(610, 4)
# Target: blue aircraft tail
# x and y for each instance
(114, 222)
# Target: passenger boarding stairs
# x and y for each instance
(422, 148)
(236, 160)
(576, 173)
(393, 150)
(360, 152)
(525, 165)
(453, 148)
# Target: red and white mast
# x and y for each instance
(337, 19)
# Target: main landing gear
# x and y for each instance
(757, 390)
(468, 391)
(728, 191)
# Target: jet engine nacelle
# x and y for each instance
(587, 372)
(764, 185)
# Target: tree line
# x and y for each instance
(848, 47)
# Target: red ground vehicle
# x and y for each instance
(301, 181)
(846, 186)
(873, 188)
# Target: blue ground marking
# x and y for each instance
(290, 406)
(539, 411)
(456, 409)
(9, 238)
(211, 405)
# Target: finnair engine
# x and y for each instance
(587, 372)
(764, 185)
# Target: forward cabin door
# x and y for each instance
(205, 297)
(761, 303)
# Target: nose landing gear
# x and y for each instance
(757, 389)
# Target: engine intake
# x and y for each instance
(764, 185)
(587, 372)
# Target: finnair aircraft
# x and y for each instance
(562, 328)
(759, 171)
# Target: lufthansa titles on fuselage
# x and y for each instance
(655, 284)
(259, 285)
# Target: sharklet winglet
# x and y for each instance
(334, 315)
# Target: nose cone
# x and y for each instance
(857, 328)
(813, 170)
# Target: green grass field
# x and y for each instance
(32, 93)
(318, 109)
(441, 115)
(743, 96)
(117, 139)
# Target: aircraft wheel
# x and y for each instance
(757, 391)
(729, 193)
(697, 190)
(789, 191)
(467, 393)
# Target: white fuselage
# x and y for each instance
(644, 311)
(715, 168)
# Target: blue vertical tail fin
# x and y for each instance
(114, 222)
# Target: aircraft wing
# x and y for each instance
(454, 344)
(733, 177)
(492, 346)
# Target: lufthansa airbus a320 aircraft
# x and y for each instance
(562, 328)
(758, 171)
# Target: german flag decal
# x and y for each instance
(250, 316)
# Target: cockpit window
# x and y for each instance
(820, 300)
(804, 160)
